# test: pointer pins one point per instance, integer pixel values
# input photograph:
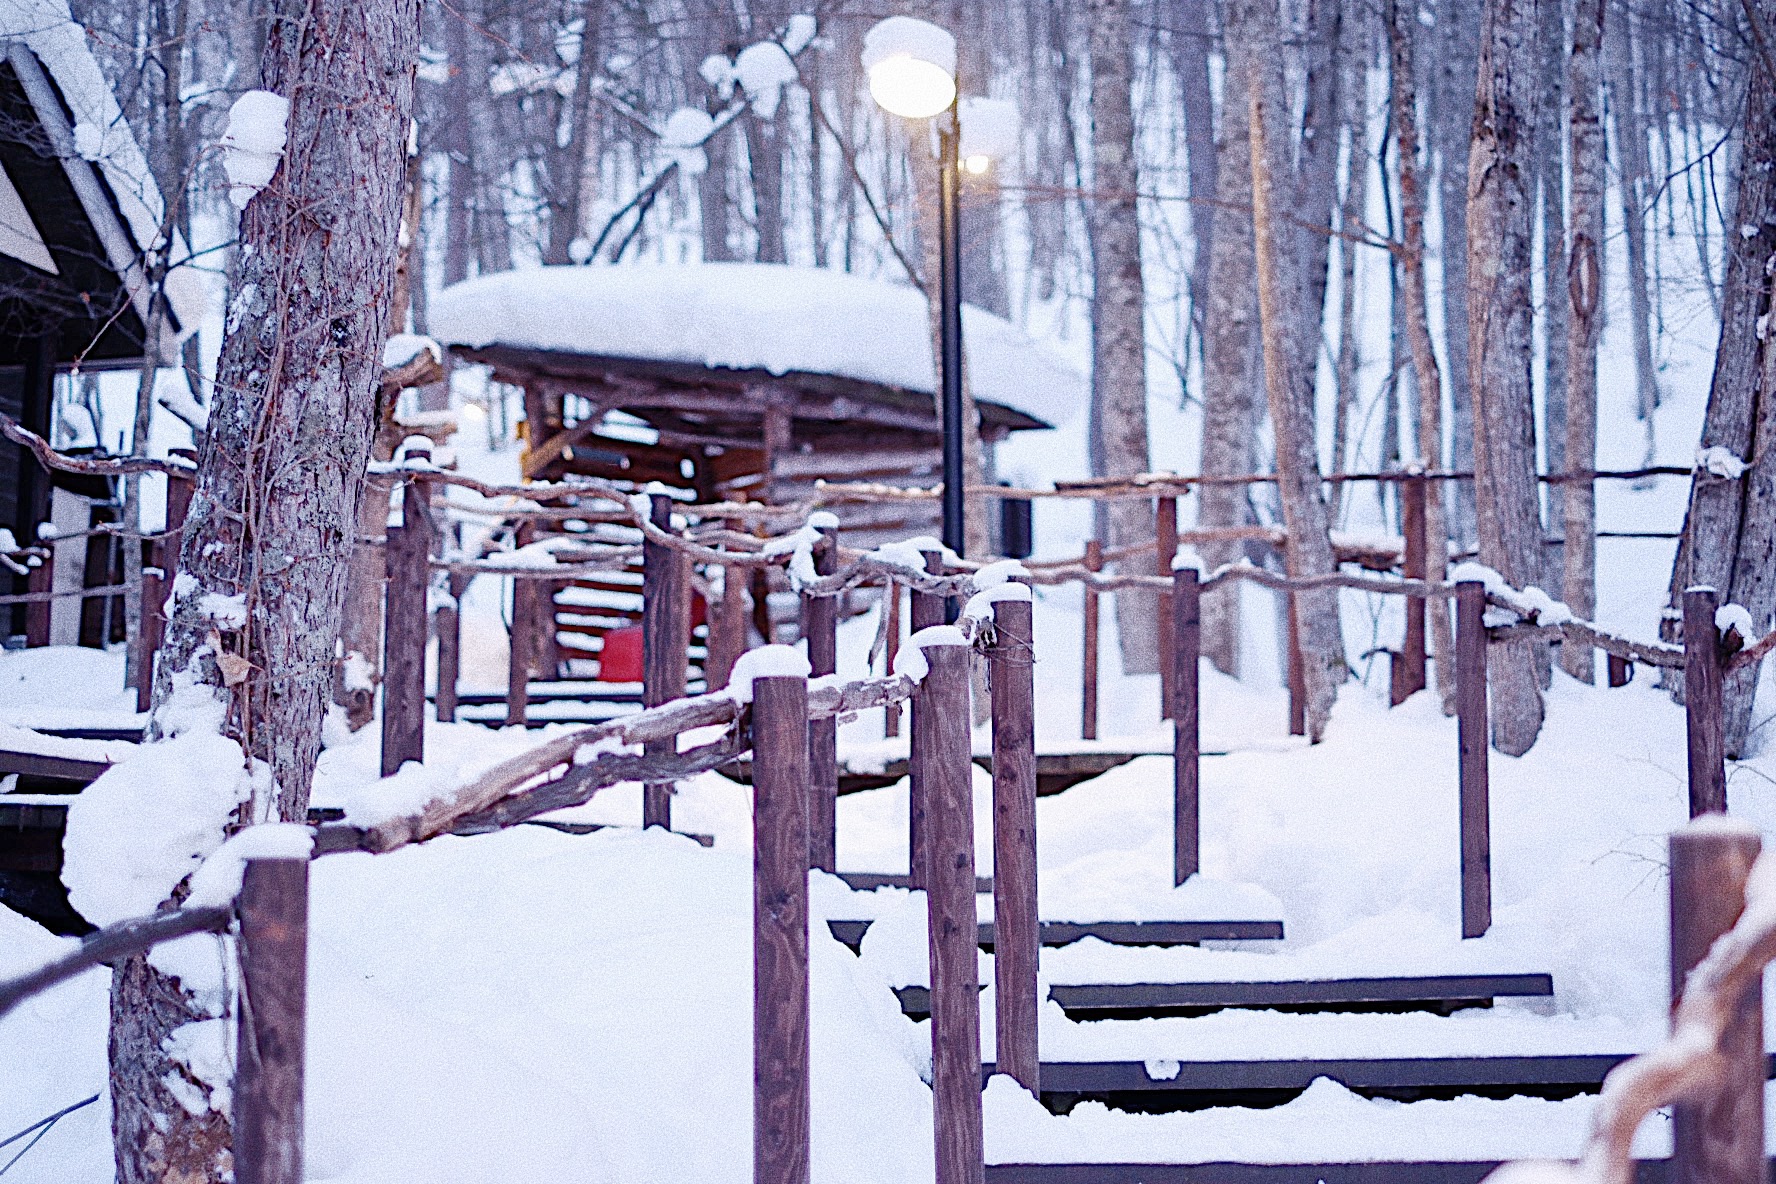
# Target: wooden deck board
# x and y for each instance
(1131, 933)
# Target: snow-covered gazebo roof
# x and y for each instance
(755, 317)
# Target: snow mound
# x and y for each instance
(754, 316)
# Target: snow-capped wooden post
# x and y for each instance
(780, 1042)
(447, 623)
(926, 610)
(1720, 1137)
(1165, 541)
(820, 625)
(665, 639)
(944, 776)
(409, 557)
(891, 713)
(1016, 928)
(1186, 751)
(1471, 740)
(1703, 712)
(1088, 690)
(1621, 670)
(268, 1075)
(1409, 668)
(524, 623)
(1297, 672)
(41, 582)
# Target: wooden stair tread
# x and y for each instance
(1646, 1171)
(1129, 933)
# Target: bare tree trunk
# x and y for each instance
(1550, 176)
(764, 155)
(1730, 528)
(1290, 393)
(1501, 311)
(278, 481)
(1192, 41)
(568, 191)
(1584, 293)
(1119, 353)
(1231, 407)
(1459, 22)
(1316, 180)
(1352, 216)
(1402, 28)
(1633, 179)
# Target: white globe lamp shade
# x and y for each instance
(912, 67)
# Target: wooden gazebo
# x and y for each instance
(740, 380)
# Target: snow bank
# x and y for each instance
(754, 316)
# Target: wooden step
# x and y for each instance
(869, 881)
(1646, 1171)
(1120, 933)
(1056, 772)
(36, 766)
(1197, 1085)
(1128, 1001)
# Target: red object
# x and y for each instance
(620, 659)
(699, 610)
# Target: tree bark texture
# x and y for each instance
(1192, 40)
(1634, 171)
(1459, 55)
(1119, 353)
(1584, 295)
(1550, 177)
(1230, 397)
(278, 479)
(1289, 392)
(1402, 27)
(1501, 327)
(1729, 539)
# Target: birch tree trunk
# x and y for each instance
(1119, 352)
(1401, 20)
(278, 481)
(1730, 528)
(1501, 337)
(1584, 293)
(1289, 392)
(1230, 398)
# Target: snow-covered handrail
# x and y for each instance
(111, 943)
(102, 466)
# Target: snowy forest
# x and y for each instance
(471, 488)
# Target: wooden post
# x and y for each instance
(41, 581)
(1297, 674)
(272, 1038)
(780, 1042)
(1409, 672)
(447, 621)
(727, 629)
(1621, 670)
(1718, 1138)
(944, 778)
(926, 610)
(820, 625)
(1703, 713)
(1088, 723)
(409, 553)
(1165, 536)
(1186, 741)
(1471, 725)
(665, 623)
(178, 508)
(891, 713)
(523, 625)
(1016, 928)
(153, 627)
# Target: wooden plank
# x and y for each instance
(447, 622)
(524, 612)
(408, 553)
(780, 1058)
(1165, 543)
(1646, 1171)
(925, 610)
(943, 768)
(1321, 993)
(869, 881)
(1704, 716)
(154, 588)
(41, 581)
(820, 626)
(1718, 1136)
(55, 768)
(1088, 691)
(1471, 740)
(1011, 669)
(1409, 672)
(1119, 933)
(269, 1065)
(1186, 726)
(891, 713)
(1621, 670)
(1297, 672)
(665, 627)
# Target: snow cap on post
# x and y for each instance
(912, 66)
(767, 661)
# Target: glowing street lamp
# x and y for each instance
(912, 73)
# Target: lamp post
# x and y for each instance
(912, 73)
